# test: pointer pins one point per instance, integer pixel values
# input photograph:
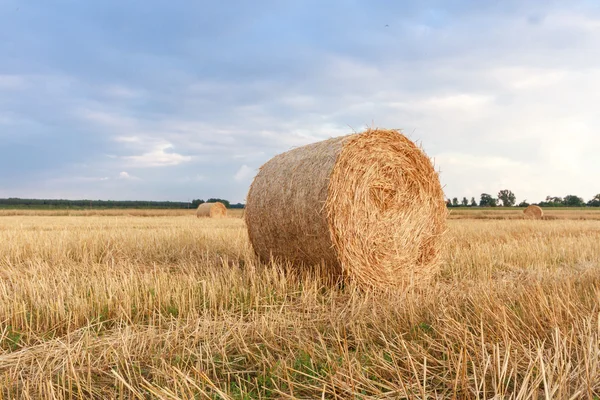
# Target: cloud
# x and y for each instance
(113, 120)
(161, 156)
(472, 161)
(126, 176)
(121, 92)
(501, 94)
(244, 173)
(12, 81)
(77, 179)
(190, 179)
(127, 139)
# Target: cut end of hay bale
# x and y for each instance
(368, 205)
(533, 212)
(211, 210)
(391, 235)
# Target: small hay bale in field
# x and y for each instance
(370, 206)
(533, 212)
(211, 210)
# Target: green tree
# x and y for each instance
(595, 202)
(196, 203)
(455, 202)
(448, 203)
(524, 204)
(552, 202)
(473, 202)
(507, 198)
(487, 200)
(573, 201)
(465, 202)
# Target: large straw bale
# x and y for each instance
(533, 212)
(369, 206)
(211, 210)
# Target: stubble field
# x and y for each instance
(145, 304)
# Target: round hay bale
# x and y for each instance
(369, 205)
(211, 210)
(533, 212)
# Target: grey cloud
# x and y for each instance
(500, 93)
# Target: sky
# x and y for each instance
(181, 100)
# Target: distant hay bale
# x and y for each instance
(370, 206)
(211, 210)
(533, 212)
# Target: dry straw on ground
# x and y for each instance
(212, 210)
(533, 212)
(368, 205)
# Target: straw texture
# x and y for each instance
(533, 212)
(211, 210)
(369, 206)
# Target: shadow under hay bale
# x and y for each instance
(369, 206)
(211, 210)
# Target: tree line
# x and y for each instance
(506, 198)
(106, 204)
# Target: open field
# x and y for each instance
(116, 212)
(550, 213)
(142, 304)
(585, 213)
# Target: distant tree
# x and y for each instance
(455, 202)
(448, 203)
(524, 203)
(595, 202)
(473, 202)
(507, 198)
(573, 201)
(196, 203)
(487, 201)
(465, 202)
(86, 203)
(552, 202)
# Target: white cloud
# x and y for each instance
(458, 102)
(127, 139)
(126, 176)
(76, 179)
(158, 157)
(527, 78)
(196, 178)
(258, 154)
(465, 160)
(112, 120)
(244, 173)
(12, 81)
(121, 92)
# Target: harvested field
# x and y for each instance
(236, 213)
(106, 306)
(592, 213)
